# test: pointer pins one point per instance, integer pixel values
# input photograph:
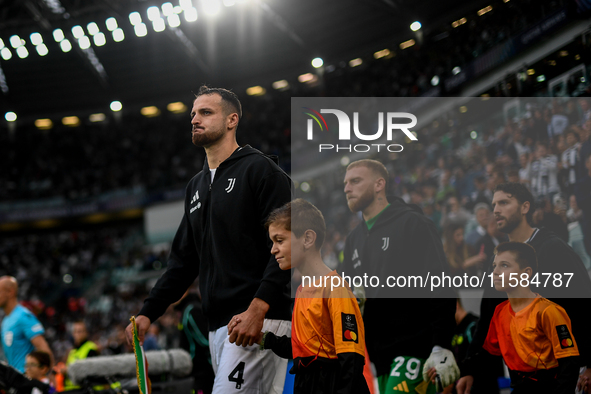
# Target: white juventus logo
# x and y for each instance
(386, 243)
(230, 185)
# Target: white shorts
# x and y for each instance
(247, 369)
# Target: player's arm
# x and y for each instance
(182, 269)
(281, 346)
(39, 343)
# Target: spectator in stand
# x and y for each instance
(575, 232)
(482, 214)
(461, 257)
(481, 194)
(490, 240)
(544, 173)
(583, 197)
(569, 161)
(553, 219)
(454, 213)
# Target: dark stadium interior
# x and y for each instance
(74, 198)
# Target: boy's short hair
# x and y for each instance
(521, 194)
(525, 254)
(373, 165)
(298, 216)
(42, 358)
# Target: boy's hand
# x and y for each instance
(446, 369)
(464, 385)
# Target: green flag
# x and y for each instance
(141, 363)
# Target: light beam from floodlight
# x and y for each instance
(174, 20)
(58, 35)
(135, 18)
(10, 116)
(211, 7)
(77, 32)
(415, 26)
(36, 39)
(116, 106)
(118, 35)
(111, 24)
(317, 62)
(140, 30)
(99, 39)
(66, 45)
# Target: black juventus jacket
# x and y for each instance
(554, 256)
(222, 240)
(400, 321)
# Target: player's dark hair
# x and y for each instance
(373, 165)
(521, 194)
(230, 100)
(525, 254)
(42, 358)
(298, 216)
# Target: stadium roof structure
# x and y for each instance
(249, 42)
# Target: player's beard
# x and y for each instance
(361, 202)
(206, 139)
(511, 223)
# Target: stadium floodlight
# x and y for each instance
(541, 78)
(317, 62)
(42, 49)
(15, 41)
(116, 106)
(174, 20)
(43, 124)
(135, 18)
(407, 44)
(1, 43)
(281, 85)
(456, 70)
(177, 9)
(36, 39)
(191, 14)
(140, 30)
(415, 26)
(435, 80)
(159, 25)
(99, 39)
(355, 62)
(5, 53)
(77, 31)
(177, 107)
(92, 28)
(211, 7)
(97, 117)
(150, 112)
(186, 4)
(10, 116)
(58, 35)
(71, 121)
(111, 24)
(66, 45)
(256, 91)
(308, 77)
(118, 35)
(167, 9)
(153, 13)
(381, 54)
(22, 52)
(84, 42)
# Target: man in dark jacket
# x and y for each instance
(512, 207)
(404, 326)
(222, 240)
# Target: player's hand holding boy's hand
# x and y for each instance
(447, 371)
(245, 329)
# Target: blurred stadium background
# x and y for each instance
(95, 145)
